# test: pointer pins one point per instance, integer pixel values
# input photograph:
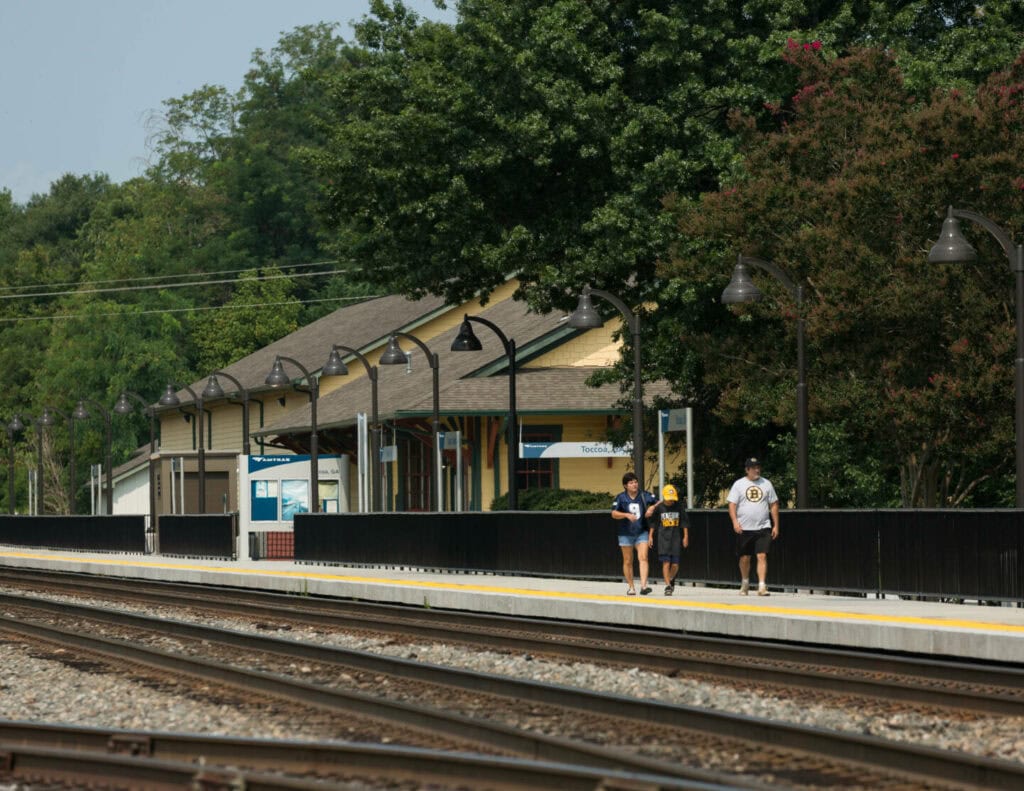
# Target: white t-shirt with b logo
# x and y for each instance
(753, 501)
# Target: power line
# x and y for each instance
(66, 316)
(164, 286)
(162, 277)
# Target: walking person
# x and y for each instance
(670, 534)
(630, 508)
(754, 511)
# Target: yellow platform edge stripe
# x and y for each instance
(680, 602)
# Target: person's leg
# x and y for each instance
(641, 552)
(666, 572)
(744, 574)
(762, 573)
(673, 570)
(627, 565)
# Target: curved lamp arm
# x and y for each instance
(795, 291)
(1000, 235)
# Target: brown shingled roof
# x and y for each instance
(359, 325)
(401, 394)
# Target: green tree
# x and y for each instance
(260, 311)
(911, 361)
(541, 139)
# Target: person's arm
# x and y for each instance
(651, 507)
(735, 521)
(686, 536)
(617, 514)
(775, 519)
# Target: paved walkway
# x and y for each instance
(950, 630)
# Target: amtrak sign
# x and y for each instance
(572, 450)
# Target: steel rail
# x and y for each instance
(664, 651)
(878, 753)
(424, 719)
(179, 752)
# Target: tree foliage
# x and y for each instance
(912, 362)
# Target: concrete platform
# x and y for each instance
(948, 630)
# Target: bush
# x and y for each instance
(557, 500)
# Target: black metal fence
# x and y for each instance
(951, 554)
(118, 533)
(199, 535)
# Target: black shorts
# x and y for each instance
(753, 542)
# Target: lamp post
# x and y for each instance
(170, 399)
(585, 317)
(278, 378)
(394, 355)
(741, 288)
(48, 419)
(81, 413)
(14, 428)
(214, 390)
(40, 509)
(953, 248)
(124, 407)
(335, 366)
(466, 341)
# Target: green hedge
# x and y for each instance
(557, 500)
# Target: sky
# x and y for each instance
(80, 78)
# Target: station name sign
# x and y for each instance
(572, 450)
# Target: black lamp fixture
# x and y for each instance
(393, 355)
(742, 288)
(585, 317)
(335, 366)
(213, 390)
(953, 248)
(80, 412)
(15, 428)
(170, 399)
(466, 341)
(278, 378)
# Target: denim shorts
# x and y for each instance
(633, 541)
(668, 558)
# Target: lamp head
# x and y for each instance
(466, 340)
(952, 247)
(213, 388)
(169, 398)
(15, 426)
(393, 355)
(47, 418)
(277, 376)
(334, 366)
(80, 412)
(585, 317)
(123, 405)
(741, 287)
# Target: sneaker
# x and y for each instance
(669, 589)
(745, 588)
(645, 591)
(763, 591)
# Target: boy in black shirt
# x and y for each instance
(669, 533)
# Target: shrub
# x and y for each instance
(556, 500)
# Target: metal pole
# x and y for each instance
(40, 507)
(689, 456)
(434, 365)
(1018, 266)
(802, 421)
(662, 415)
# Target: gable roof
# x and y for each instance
(359, 325)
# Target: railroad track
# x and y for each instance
(98, 757)
(986, 688)
(795, 751)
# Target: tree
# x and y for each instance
(258, 313)
(912, 361)
(541, 139)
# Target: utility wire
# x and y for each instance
(188, 310)
(163, 286)
(164, 277)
